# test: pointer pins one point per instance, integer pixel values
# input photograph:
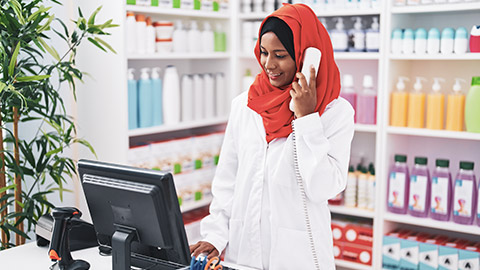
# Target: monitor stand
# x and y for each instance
(121, 246)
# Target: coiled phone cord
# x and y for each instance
(304, 199)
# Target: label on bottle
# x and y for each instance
(396, 194)
(373, 40)
(462, 199)
(418, 191)
(439, 198)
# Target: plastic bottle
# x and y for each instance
(441, 191)
(247, 80)
(220, 39)
(141, 34)
(461, 41)
(157, 97)
(420, 185)
(339, 36)
(399, 102)
(187, 4)
(145, 101)
(247, 6)
(220, 95)
(247, 37)
(209, 96)
(187, 98)
(130, 26)
(207, 5)
(199, 97)
(269, 6)
(455, 107)
(179, 38)
(416, 105)
(356, 36)
(171, 96)
(351, 188)
(398, 187)
(421, 41)
(408, 42)
(475, 39)
(372, 36)
(194, 38)
(367, 103)
(472, 107)
(207, 38)
(447, 41)
(397, 40)
(465, 194)
(362, 188)
(435, 106)
(433, 41)
(348, 92)
(258, 6)
(150, 35)
(132, 100)
(371, 187)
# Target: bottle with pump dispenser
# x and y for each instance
(420, 184)
(145, 101)
(465, 194)
(339, 36)
(421, 41)
(179, 38)
(187, 98)
(441, 191)
(348, 92)
(207, 38)
(455, 107)
(435, 106)
(194, 38)
(356, 36)
(132, 100)
(398, 187)
(399, 102)
(416, 105)
(171, 96)
(367, 103)
(157, 96)
(472, 107)
(372, 36)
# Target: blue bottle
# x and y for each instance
(132, 100)
(157, 97)
(145, 100)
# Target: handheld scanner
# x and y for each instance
(61, 217)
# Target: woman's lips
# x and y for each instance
(274, 76)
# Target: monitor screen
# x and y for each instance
(141, 202)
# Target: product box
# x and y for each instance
(428, 252)
(391, 249)
(338, 230)
(359, 234)
(409, 250)
(448, 254)
(337, 249)
(469, 257)
(357, 253)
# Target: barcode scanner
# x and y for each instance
(59, 251)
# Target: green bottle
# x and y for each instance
(472, 107)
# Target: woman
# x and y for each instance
(257, 212)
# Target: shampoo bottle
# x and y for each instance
(472, 107)
(433, 41)
(399, 104)
(371, 187)
(194, 38)
(465, 194)
(199, 97)
(209, 96)
(356, 36)
(372, 39)
(131, 38)
(421, 41)
(179, 38)
(141, 34)
(408, 42)
(397, 39)
(171, 96)
(447, 41)
(132, 100)
(150, 35)
(220, 39)
(348, 92)
(398, 187)
(339, 36)
(220, 95)
(157, 97)
(475, 39)
(435, 106)
(416, 105)
(207, 38)
(461, 41)
(145, 101)
(187, 98)
(441, 196)
(420, 184)
(455, 107)
(367, 103)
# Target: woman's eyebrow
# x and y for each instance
(279, 50)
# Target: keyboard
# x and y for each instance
(141, 262)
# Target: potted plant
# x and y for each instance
(31, 167)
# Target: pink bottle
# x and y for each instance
(465, 194)
(367, 103)
(348, 92)
(398, 188)
(420, 184)
(441, 192)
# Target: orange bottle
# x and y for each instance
(435, 106)
(416, 105)
(455, 108)
(399, 103)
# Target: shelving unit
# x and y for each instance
(178, 56)
(351, 211)
(352, 265)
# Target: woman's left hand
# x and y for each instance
(304, 97)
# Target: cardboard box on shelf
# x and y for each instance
(359, 234)
(391, 248)
(448, 254)
(409, 250)
(469, 257)
(357, 253)
(428, 252)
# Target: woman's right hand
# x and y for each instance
(205, 248)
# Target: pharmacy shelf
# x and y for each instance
(195, 205)
(348, 12)
(440, 57)
(357, 55)
(423, 132)
(431, 223)
(352, 265)
(351, 211)
(253, 16)
(179, 56)
(180, 126)
(436, 8)
(366, 128)
(179, 12)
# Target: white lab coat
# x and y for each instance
(246, 161)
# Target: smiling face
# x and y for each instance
(276, 61)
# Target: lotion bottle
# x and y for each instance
(145, 101)
(461, 41)
(141, 34)
(150, 37)
(179, 38)
(171, 96)
(130, 26)
(207, 38)
(220, 95)
(194, 38)
(433, 41)
(209, 97)
(396, 42)
(447, 41)
(187, 98)
(199, 97)
(339, 36)
(399, 104)
(357, 36)
(408, 41)
(157, 97)
(372, 39)
(416, 105)
(132, 100)
(421, 41)
(456, 107)
(435, 106)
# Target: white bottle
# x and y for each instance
(357, 35)
(187, 4)
(187, 98)
(247, 80)
(141, 34)
(447, 41)
(209, 88)
(171, 96)
(179, 38)
(421, 41)
(221, 101)
(207, 5)
(461, 40)
(130, 26)
(247, 6)
(433, 41)
(408, 42)
(339, 36)
(269, 6)
(199, 97)
(207, 38)
(247, 37)
(150, 34)
(258, 6)
(194, 37)
(397, 40)
(372, 37)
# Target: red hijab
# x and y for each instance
(271, 102)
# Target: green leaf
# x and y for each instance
(7, 188)
(17, 8)
(91, 20)
(13, 61)
(17, 231)
(50, 50)
(96, 44)
(2, 86)
(80, 12)
(32, 78)
(54, 151)
(105, 44)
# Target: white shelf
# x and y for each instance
(357, 55)
(253, 16)
(366, 128)
(181, 126)
(431, 223)
(351, 211)
(179, 12)
(352, 265)
(423, 132)
(179, 56)
(196, 205)
(441, 57)
(348, 12)
(436, 8)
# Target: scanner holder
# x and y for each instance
(59, 250)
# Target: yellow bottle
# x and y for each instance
(416, 106)
(399, 102)
(435, 106)
(455, 108)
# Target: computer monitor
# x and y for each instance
(134, 206)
